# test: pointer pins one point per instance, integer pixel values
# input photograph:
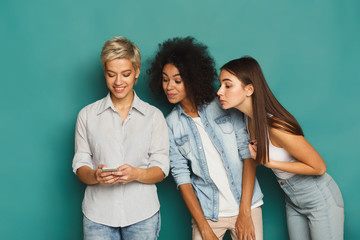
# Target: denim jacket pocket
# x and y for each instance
(225, 124)
(183, 144)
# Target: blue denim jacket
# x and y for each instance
(227, 131)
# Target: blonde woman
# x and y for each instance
(121, 151)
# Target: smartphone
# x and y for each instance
(106, 169)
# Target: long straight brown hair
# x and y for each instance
(267, 111)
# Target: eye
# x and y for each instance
(227, 86)
(165, 80)
(127, 75)
(178, 81)
(111, 75)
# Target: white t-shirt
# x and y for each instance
(278, 154)
(228, 206)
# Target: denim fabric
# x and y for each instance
(314, 207)
(227, 131)
(147, 229)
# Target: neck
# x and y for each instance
(246, 108)
(189, 108)
(121, 103)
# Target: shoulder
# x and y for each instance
(173, 116)
(91, 108)
(214, 108)
(145, 107)
(282, 138)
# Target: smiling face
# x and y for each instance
(120, 77)
(232, 92)
(173, 84)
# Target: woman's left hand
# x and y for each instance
(253, 148)
(127, 174)
(244, 227)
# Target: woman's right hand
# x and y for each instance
(208, 234)
(105, 177)
(253, 148)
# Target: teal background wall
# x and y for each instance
(50, 69)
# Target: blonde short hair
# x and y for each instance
(120, 47)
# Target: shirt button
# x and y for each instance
(232, 183)
(238, 198)
(222, 152)
(214, 137)
(200, 147)
(206, 124)
(282, 183)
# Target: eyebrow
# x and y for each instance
(175, 75)
(127, 70)
(226, 80)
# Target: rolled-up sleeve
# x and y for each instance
(178, 164)
(83, 156)
(159, 147)
(241, 133)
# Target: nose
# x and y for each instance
(219, 92)
(169, 85)
(117, 80)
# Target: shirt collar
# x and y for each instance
(200, 108)
(137, 104)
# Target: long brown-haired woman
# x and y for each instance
(314, 204)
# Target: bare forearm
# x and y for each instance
(248, 182)
(150, 175)
(298, 167)
(193, 205)
(87, 175)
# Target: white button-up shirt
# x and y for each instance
(142, 141)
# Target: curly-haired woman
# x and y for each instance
(217, 182)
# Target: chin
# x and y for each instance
(225, 106)
(173, 101)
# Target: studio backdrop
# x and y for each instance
(50, 69)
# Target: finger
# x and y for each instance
(118, 173)
(251, 147)
(101, 166)
(105, 174)
(107, 180)
(124, 178)
(253, 235)
(111, 181)
(123, 167)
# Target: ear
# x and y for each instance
(137, 73)
(249, 90)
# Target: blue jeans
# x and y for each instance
(147, 229)
(314, 207)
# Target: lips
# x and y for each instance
(119, 89)
(170, 95)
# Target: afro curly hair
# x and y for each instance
(196, 67)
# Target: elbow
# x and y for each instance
(321, 170)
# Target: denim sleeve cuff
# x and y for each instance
(180, 180)
(245, 154)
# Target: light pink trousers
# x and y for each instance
(228, 223)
